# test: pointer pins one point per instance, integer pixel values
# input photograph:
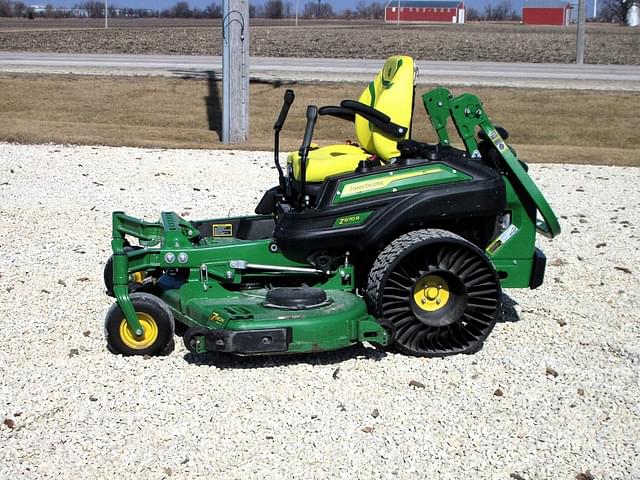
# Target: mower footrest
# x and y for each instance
(248, 341)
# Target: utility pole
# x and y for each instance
(398, 22)
(297, 6)
(595, 9)
(106, 15)
(580, 39)
(235, 71)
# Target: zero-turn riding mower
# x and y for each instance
(389, 241)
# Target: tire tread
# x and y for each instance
(391, 256)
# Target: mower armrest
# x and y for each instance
(379, 119)
(339, 112)
(365, 110)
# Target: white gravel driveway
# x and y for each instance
(553, 394)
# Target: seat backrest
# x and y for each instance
(391, 93)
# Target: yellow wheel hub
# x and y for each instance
(431, 293)
(145, 340)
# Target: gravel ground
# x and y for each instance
(553, 394)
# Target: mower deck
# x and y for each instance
(247, 323)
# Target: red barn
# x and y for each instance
(449, 11)
(546, 13)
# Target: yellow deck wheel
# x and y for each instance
(147, 339)
(157, 323)
(431, 293)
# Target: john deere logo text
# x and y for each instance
(369, 185)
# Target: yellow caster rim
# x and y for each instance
(431, 293)
(147, 339)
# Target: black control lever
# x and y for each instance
(312, 116)
(289, 96)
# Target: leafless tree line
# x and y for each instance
(613, 11)
(318, 9)
(91, 8)
(494, 12)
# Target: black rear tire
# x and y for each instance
(440, 291)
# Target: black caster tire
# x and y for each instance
(157, 322)
(440, 291)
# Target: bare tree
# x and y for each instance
(472, 14)
(274, 9)
(94, 8)
(318, 10)
(19, 9)
(6, 9)
(501, 11)
(373, 10)
(614, 11)
(182, 10)
(213, 11)
(179, 10)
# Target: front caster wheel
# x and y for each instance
(156, 320)
(440, 291)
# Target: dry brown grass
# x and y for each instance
(545, 125)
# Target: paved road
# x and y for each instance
(599, 77)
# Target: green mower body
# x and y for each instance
(412, 252)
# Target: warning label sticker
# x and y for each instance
(222, 230)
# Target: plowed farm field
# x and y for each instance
(508, 42)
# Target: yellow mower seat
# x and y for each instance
(330, 160)
(390, 93)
